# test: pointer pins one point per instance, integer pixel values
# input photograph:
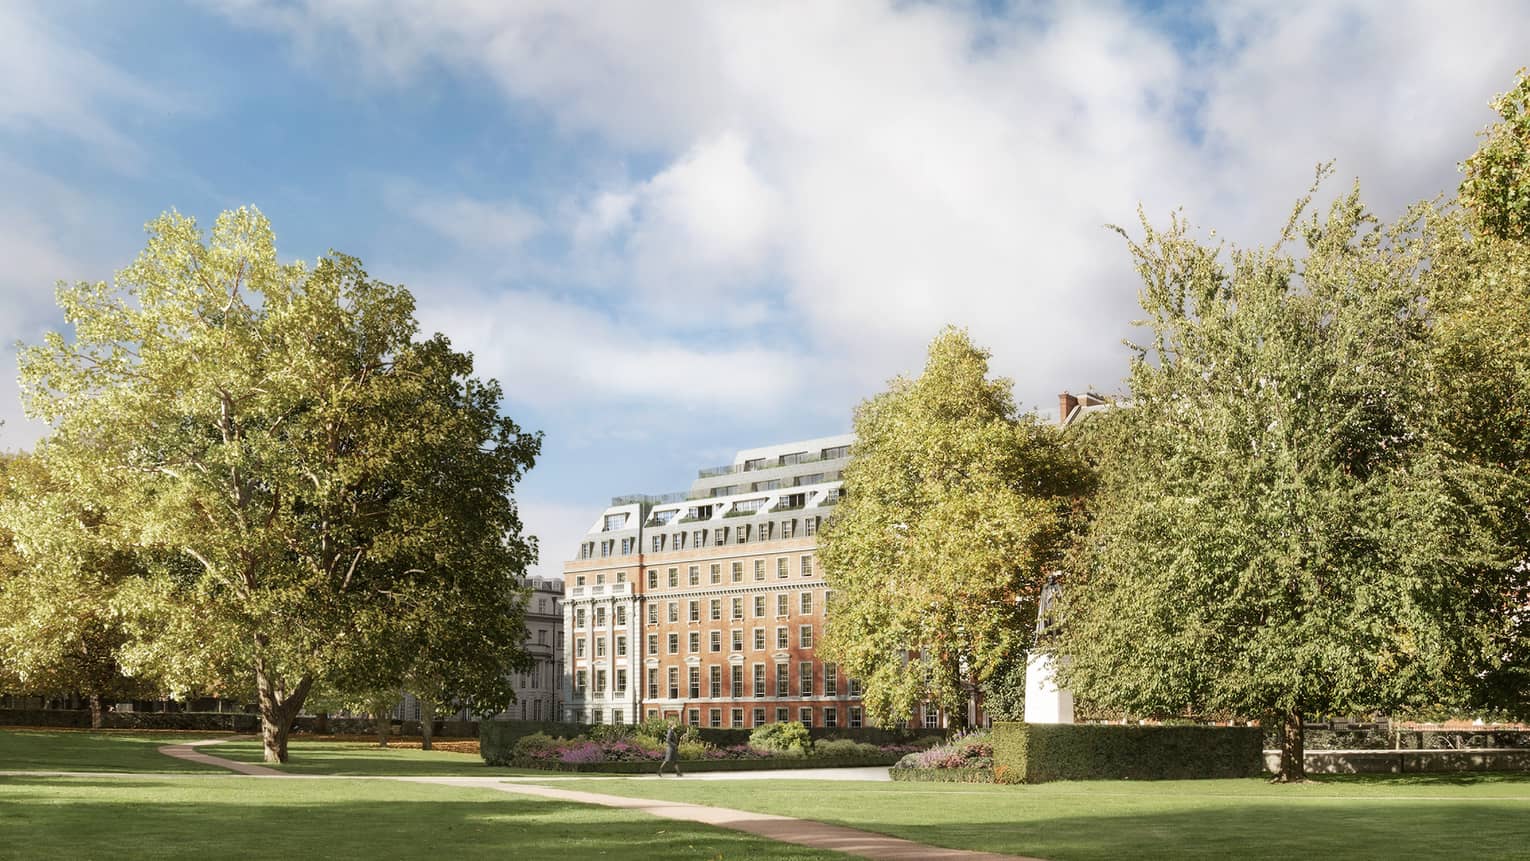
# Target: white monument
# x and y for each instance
(1045, 702)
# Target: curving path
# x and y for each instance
(801, 832)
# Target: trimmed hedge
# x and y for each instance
(942, 775)
(1037, 753)
(699, 765)
(497, 738)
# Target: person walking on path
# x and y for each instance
(671, 750)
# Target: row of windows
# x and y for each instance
(735, 606)
(853, 715)
(693, 640)
(600, 616)
(741, 534)
(587, 550)
(736, 572)
(600, 579)
(581, 646)
(758, 682)
(582, 681)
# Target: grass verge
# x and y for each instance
(1448, 816)
(75, 750)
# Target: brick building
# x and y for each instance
(708, 605)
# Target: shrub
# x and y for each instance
(943, 775)
(973, 749)
(844, 747)
(784, 738)
(534, 744)
(1034, 753)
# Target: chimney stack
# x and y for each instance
(1065, 406)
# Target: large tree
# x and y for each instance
(955, 509)
(307, 468)
(1293, 517)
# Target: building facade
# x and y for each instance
(707, 606)
(539, 691)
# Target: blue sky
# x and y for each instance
(673, 230)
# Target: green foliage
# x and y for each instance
(1294, 516)
(844, 747)
(789, 737)
(1038, 753)
(955, 508)
(319, 498)
(1496, 189)
(942, 775)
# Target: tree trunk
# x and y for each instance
(382, 719)
(1293, 756)
(96, 717)
(427, 722)
(278, 706)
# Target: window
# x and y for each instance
(855, 716)
(653, 613)
(674, 577)
(595, 715)
(830, 717)
(759, 681)
(807, 603)
(759, 569)
(759, 717)
(716, 572)
(805, 715)
(693, 575)
(781, 567)
(805, 637)
(781, 639)
(805, 678)
(783, 680)
(600, 647)
(741, 534)
(695, 611)
(581, 682)
(653, 683)
(653, 644)
(714, 609)
(679, 541)
(738, 640)
(807, 566)
(621, 615)
(762, 532)
(738, 681)
(714, 682)
(836, 452)
(714, 718)
(855, 687)
(579, 618)
(621, 682)
(781, 714)
(600, 682)
(674, 644)
(579, 648)
(931, 716)
(674, 683)
(754, 463)
(621, 576)
(674, 611)
(716, 641)
(810, 526)
(699, 538)
(830, 680)
(627, 546)
(783, 606)
(759, 639)
(621, 647)
(789, 527)
(658, 543)
(737, 715)
(618, 716)
(759, 606)
(738, 608)
(653, 578)
(694, 642)
(720, 536)
(693, 679)
(600, 579)
(738, 572)
(600, 617)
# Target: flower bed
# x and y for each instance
(967, 758)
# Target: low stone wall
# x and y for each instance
(1409, 761)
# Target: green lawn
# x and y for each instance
(1476, 816)
(58, 750)
(361, 759)
(251, 817)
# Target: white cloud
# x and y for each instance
(558, 528)
(466, 221)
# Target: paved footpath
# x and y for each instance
(802, 832)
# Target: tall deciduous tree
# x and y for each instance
(311, 469)
(1291, 520)
(955, 508)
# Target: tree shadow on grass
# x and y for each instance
(69, 817)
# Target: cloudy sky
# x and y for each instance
(675, 229)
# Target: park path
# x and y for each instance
(784, 829)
